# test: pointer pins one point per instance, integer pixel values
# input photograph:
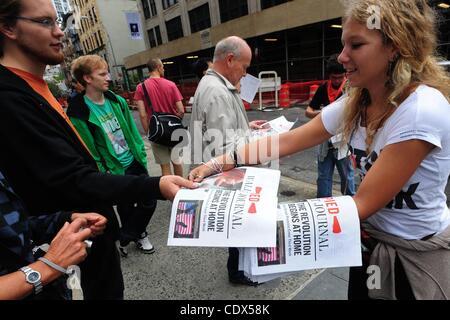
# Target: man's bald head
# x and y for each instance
(233, 44)
(232, 57)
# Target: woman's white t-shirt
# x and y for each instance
(420, 209)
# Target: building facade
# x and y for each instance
(292, 37)
(72, 45)
(62, 7)
(103, 29)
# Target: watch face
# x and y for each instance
(34, 276)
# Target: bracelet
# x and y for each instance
(53, 265)
(215, 166)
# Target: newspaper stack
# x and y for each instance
(312, 234)
(237, 208)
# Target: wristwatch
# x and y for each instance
(33, 277)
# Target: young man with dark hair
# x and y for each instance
(328, 156)
(43, 157)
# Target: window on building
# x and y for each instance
(154, 37)
(174, 28)
(146, 8)
(168, 3)
(158, 35)
(94, 14)
(199, 18)
(91, 19)
(151, 38)
(100, 37)
(271, 3)
(96, 41)
(153, 8)
(232, 9)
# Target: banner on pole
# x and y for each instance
(134, 25)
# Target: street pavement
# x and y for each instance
(179, 273)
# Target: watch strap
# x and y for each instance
(36, 284)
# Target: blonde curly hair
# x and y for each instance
(411, 27)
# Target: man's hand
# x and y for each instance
(68, 247)
(257, 124)
(95, 222)
(170, 185)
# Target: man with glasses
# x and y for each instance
(44, 159)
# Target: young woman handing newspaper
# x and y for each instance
(395, 117)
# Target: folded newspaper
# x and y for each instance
(237, 208)
(277, 126)
(312, 234)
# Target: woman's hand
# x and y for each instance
(222, 163)
(200, 173)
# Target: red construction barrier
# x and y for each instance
(291, 93)
(299, 92)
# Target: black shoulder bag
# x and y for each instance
(162, 125)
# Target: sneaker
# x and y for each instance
(123, 251)
(240, 278)
(144, 244)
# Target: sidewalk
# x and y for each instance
(200, 273)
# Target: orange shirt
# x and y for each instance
(41, 88)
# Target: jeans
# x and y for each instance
(325, 175)
(135, 217)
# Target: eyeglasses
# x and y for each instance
(45, 22)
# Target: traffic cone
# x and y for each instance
(284, 96)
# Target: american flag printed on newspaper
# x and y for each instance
(185, 220)
(268, 256)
